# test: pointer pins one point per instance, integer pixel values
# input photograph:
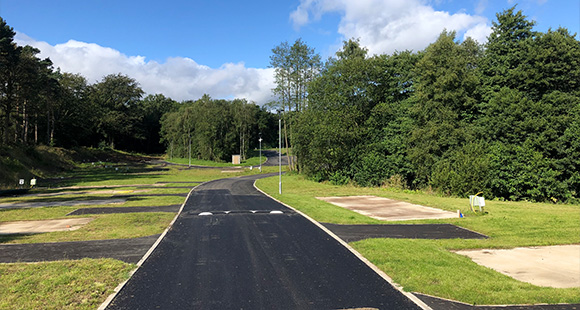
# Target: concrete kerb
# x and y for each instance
(507, 306)
(376, 269)
(110, 298)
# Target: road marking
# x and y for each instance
(239, 212)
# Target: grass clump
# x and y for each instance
(80, 284)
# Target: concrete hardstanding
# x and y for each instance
(249, 258)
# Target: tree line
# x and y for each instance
(215, 129)
(40, 105)
(458, 117)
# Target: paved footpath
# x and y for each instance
(243, 256)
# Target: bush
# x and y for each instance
(464, 171)
(339, 178)
(521, 173)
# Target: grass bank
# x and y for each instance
(429, 266)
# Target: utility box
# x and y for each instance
(477, 201)
(236, 159)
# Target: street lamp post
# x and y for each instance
(260, 140)
(280, 154)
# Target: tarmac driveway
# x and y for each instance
(228, 250)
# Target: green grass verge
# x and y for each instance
(104, 226)
(81, 284)
(429, 266)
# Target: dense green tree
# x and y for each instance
(152, 108)
(385, 158)
(355, 120)
(295, 67)
(76, 116)
(215, 129)
(532, 86)
(330, 128)
(445, 102)
(506, 50)
(551, 62)
(117, 98)
(9, 60)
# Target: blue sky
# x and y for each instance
(186, 48)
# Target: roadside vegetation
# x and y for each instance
(458, 117)
(430, 266)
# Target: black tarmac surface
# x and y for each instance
(351, 233)
(251, 260)
(127, 250)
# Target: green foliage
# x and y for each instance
(117, 97)
(518, 172)
(459, 117)
(463, 171)
(445, 102)
(215, 129)
(295, 67)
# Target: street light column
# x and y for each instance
(260, 140)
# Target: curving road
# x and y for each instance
(244, 256)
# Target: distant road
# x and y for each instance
(244, 256)
(274, 158)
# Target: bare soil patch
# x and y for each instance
(32, 227)
(388, 209)
(553, 266)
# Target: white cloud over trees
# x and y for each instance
(385, 26)
(180, 78)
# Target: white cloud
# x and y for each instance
(179, 78)
(481, 6)
(479, 33)
(385, 26)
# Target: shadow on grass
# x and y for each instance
(81, 198)
(13, 237)
(101, 174)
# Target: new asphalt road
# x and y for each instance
(234, 248)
